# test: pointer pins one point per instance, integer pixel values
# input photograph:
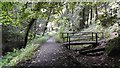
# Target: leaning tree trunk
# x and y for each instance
(47, 22)
(27, 32)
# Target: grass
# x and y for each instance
(13, 58)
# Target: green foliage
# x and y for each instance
(107, 21)
(39, 40)
(14, 18)
(52, 33)
(111, 29)
(99, 28)
(13, 58)
(94, 27)
(24, 55)
(58, 37)
(7, 19)
(8, 57)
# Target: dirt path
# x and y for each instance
(51, 54)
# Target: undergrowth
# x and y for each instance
(13, 58)
(92, 28)
(58, 36)
(99, 28)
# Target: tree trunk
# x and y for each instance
(83, 16)
(27, 32)
(82, 24)
(47, 22)
(91, 15)
(35, 30)
(105, 6)
(87, 16)
(96, 12)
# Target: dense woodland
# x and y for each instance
(25, 25)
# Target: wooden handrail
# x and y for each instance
(94, 38)
(72, 35)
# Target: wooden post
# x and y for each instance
(96, 38)
(69, 41)
(67, 37)
(92, 36)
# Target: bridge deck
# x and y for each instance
(81, 42)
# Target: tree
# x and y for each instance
(27, 32)
(49, 14)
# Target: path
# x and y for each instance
(51, 54)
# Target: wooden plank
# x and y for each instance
(81, 39)
(81, 42)
(80, 35)
(82, 32)
(92, 50)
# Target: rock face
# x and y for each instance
(113, 47)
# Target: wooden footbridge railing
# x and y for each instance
(82, 38)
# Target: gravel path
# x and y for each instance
(51, 54)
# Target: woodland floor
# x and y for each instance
(52, 54)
